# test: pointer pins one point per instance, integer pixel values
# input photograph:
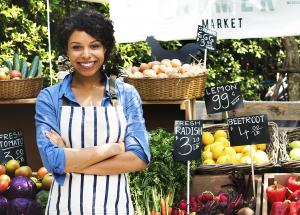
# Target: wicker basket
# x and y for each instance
(272, 151)
(169, 88)
(20, 89)
(287, 136)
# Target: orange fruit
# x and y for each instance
(42, 172)
(25, 171)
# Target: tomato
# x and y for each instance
(3, 185)
(5, 178)
(42, 172)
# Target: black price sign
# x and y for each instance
(248, 130)
(206, 38)
(223, 98)
(188, 139)
(12, 147)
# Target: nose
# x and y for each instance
(86, 53)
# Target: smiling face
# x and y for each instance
(86, 53)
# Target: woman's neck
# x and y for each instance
(87, 82)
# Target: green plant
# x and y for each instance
(163, 172)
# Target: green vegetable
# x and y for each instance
(40, 70)
(42, 198)
(16, 62)
(8, 64)
(34, 67)
(24, 68)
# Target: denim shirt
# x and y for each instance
(47, 117)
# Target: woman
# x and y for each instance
(85, 139)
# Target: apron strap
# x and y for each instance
(112, 90)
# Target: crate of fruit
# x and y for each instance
(275, 197)
(167, 80)
(289, 153)
(218, 156)
(18, 80)
(226, 194)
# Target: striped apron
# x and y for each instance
(91, 194)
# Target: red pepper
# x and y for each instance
(276, 192)
(280, 208)
(294, 196)
(293, 183)
(295, 208)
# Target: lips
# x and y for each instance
(87, 65)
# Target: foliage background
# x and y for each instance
(23, 29)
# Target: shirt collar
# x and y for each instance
(66, 86)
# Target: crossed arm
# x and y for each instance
(106, 159)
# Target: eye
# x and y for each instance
(75, 47)
(96, 46)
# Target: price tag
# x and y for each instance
(12, 147)
(246, 130)
(188, 139)
(223, 98)
(206, 38)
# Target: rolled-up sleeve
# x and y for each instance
(136, 139)
(52, 156)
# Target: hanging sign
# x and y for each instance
(246, 130)
(206, 38)
(223, 98)
(188, 139)
(12, 147)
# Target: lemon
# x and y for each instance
(220, 133)
(207, 138)
(207, 147)
(261, 157)
(209, 161)
(236, 158)
(238, 149)
(246, 150)
(261, 146)
(207, 155)
(223, 159)
(246, 159)
(223, 140)
(228, 151)
(217, 149)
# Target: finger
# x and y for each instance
(54, 132)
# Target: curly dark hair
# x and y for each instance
(91, 22)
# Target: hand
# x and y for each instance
(55, 138)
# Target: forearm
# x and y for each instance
(82, 158)
(121, 163)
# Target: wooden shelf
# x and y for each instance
(19, 101)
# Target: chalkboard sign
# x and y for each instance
(246, 130)
(206, 38)
(188, 139)
(223, 98)
(12, 147)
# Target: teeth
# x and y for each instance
(87, 65)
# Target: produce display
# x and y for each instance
(22, 191)
(217, 150)
(233, 198)
(284, 199)
(165, 68)
(19, 69)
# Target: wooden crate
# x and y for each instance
(269, 178)
(213, 183)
